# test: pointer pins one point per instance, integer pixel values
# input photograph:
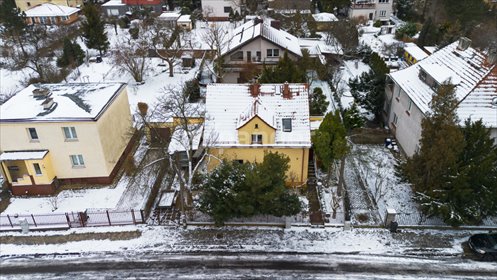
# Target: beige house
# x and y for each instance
(254, 44)
(245, 121)
(371, 9)
(51, 14)
(54, 134)
(24, 5)
(409, 91)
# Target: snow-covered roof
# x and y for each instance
(23, 155)
(113, 3)
(430, 49)
(317, 47)
(254, 29)
(324, 17)
(475, 80)
(415, 51)
(71, 102)
(227, 106)
(184, 18)
(179, 139)
(50, 10)
(169, 16)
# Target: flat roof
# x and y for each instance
(23, 155)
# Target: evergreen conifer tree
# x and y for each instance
(72, 54)
(93, 29)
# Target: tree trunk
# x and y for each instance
(340, 177)
(171, 68)
(334, 215)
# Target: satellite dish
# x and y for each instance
(494, 102)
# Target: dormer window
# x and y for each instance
(287, 125)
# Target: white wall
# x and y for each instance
(215, 8)
(261, 45)
(407, 131)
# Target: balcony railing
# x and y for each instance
(363, 6)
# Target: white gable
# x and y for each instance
(253, 29)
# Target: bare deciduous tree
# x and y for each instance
(166, 41)
(131, 55)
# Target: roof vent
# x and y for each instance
(464, 43)
(47, 104)
(40, 93)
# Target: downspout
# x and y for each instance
(302, 172)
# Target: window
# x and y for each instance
(28, 3)
(273, 52)
(37, 168)
(395, 119)
(256, 138)
(77, 161)
(227, 9)
(383, 1)
(70, 133)
(383, 13)
(237, 56)
(287, 125)
(33, 135)
(256, 126)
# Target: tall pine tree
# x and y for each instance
(94, 29)
(13, 21)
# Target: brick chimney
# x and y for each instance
(254, 89)
(286, 91)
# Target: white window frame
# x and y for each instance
(383, 13)
(272, 53)
(70, 133)
(286, 129)
(36, 170)
(77, 161)
(256, 139)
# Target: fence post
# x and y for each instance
(8, 217)
(141, 214)
(68, 220)
(133, 216)
(108, 216)
(33, 217)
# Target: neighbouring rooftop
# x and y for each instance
(468, 69)
(230, 106)
(415, 51)
(59, 102)
(50, 10)
(257, 28)
(324, 17)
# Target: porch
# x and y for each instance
(28, 172)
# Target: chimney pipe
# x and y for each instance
(464, 43)
(492, 57)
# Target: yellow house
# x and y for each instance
(64, 133)
(24, 5)
(243, 122)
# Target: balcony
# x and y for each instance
(362, 6)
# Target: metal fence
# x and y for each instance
(88, 218)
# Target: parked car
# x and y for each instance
(484, 246)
